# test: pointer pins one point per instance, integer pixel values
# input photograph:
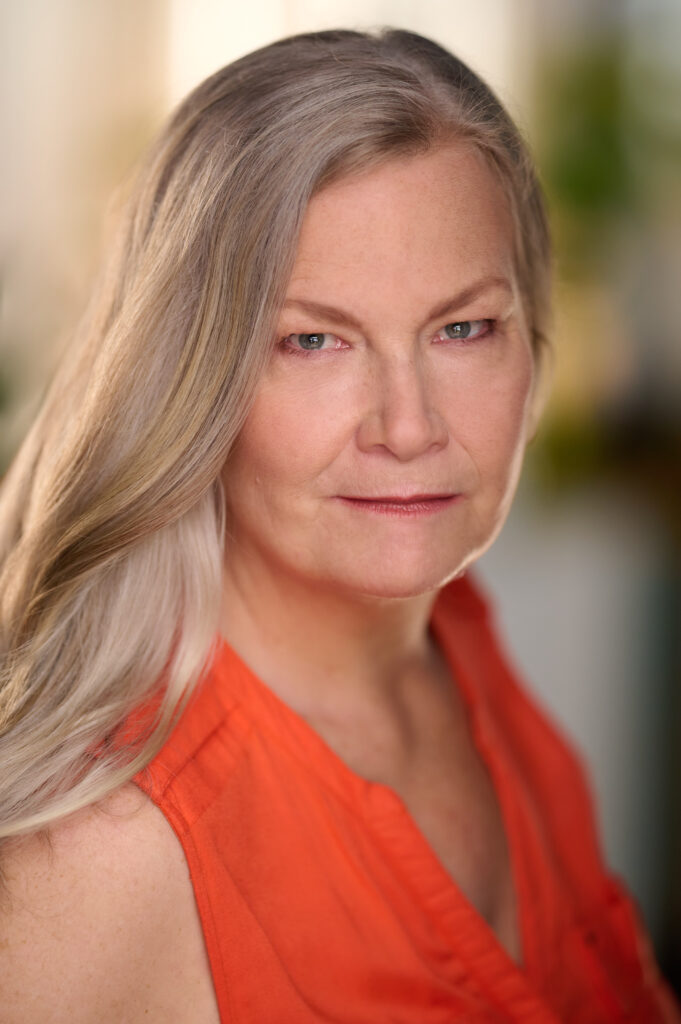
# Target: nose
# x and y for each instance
(401, 414)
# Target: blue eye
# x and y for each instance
(304, 344)
(465, 330)
(311, 342)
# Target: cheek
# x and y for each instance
(494, 419)
(291, 436)
(512, 400)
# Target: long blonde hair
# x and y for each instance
(112, 515)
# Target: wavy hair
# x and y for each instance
(112, 515)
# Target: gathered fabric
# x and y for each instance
(321, 901)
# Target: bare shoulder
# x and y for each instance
(98, 922)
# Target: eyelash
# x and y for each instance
(490, 326)
(285, 345)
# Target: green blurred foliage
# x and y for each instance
(584, 158)
(605, 162)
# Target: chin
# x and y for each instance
(400, 581)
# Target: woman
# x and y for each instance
(235, 546)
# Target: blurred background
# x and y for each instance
(587, 573)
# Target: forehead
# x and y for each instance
(411, 226)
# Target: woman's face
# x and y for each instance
(386, 438)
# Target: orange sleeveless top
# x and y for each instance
(321, 901)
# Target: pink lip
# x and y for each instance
(398, 505)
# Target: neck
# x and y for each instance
(319, 648)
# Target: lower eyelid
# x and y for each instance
(489, 327)
(286, 345)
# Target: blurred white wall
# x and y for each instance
(491, 35)
(82, 87)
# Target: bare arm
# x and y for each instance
(102, 927)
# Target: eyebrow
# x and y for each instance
(345, 319)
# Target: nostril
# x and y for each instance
(405, 435)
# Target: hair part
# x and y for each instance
(112, 516)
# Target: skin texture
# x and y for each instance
(329, 600)
(391, 405)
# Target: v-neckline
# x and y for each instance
(387, 816)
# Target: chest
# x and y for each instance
(461, 822)
(448, 794)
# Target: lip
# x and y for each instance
(413, 505)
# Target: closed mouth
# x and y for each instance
(401, 505)
(398, 499)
